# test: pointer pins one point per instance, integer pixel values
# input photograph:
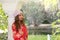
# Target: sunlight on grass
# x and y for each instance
(37, 37)
(43, 37)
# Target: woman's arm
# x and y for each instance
(26, 33)
(16, 35)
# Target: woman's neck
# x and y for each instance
(21, 22)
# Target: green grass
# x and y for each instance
(43, 37)
(34, 37)
(37, 37)
(55, 37)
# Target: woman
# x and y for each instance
(19, 29)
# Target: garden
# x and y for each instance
(36, 13)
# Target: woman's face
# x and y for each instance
(21, 17)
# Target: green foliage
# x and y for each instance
(3, 36)
(3, 19)
(37, 14)
(34, 12)
(56, 23)
(58, 14)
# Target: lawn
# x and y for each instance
(37, 37)
(34, 37)
(43, 37)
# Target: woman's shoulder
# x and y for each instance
(24, 27)
(13, 26)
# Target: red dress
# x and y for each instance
(22, 34)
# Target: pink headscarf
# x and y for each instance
(17, 12)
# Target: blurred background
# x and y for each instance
(42, 18)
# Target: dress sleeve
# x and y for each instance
(14, 30)
(16, 35)
(26, 33)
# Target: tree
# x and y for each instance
(56, 23)
(51, 9)
(34, 12)
(3, 19)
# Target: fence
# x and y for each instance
(41, 29)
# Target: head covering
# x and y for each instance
(17, 12)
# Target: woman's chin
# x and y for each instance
(21, 19)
